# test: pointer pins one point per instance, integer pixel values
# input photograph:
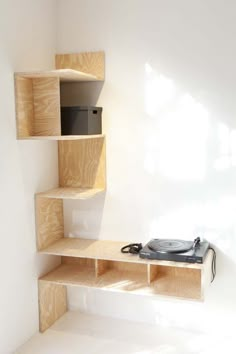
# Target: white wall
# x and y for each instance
(169, 116)
(27, 41)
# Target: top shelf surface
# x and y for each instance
(106, 250)
(64, 75)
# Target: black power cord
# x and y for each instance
(213, 264)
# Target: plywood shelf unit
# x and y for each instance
(38, 93)
(100, 264)
(82, 175)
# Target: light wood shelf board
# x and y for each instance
(47, 112)
(24, 106)
(64, 75)
(71, 193)
(52, 303)
(82, 163)
(62, 137)
(49, 221)
(92, 63)
(106, 250)
(111, 280)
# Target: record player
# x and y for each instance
(175, 250)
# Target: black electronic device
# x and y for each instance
(176, 250)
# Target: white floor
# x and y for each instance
(77, 333)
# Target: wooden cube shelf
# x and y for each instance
(38, 93)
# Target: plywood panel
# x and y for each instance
(24, 106)
(52, 303)
(105, 250)
(82, 163)
(87, 62)
(69, 274)
(101, 266)
(177, 282)
(49, 221)
(63, 75)
(83, 262)
(46, 106)
(62, 137)
(151, 273)
(72, 193)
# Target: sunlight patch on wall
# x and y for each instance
(181, 130)
(159, 91)
(227, 147)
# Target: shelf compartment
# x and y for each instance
(117, 276)
(123, 276)
(175, 282)
(38, 93)
(72, 271)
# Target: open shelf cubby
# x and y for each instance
(38, 93)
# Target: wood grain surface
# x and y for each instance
(177, 282)
(106, 250)
(52, 303)
(112, 279)
(63, 75)
(49, 221)
(24, 106)
(47, 106)
(71, 193)
(88, 62)
(82, 163)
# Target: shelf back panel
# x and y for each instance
(82, 163)
(49, 221)
(88, 62)
(37, 106)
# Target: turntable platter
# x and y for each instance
(170, 246)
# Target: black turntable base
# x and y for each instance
(175, 250)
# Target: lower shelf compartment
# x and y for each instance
(176, 282)
(142, 278)
(117, 276)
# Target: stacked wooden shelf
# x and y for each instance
(100, 264)
(38, 93)
(82, 175)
